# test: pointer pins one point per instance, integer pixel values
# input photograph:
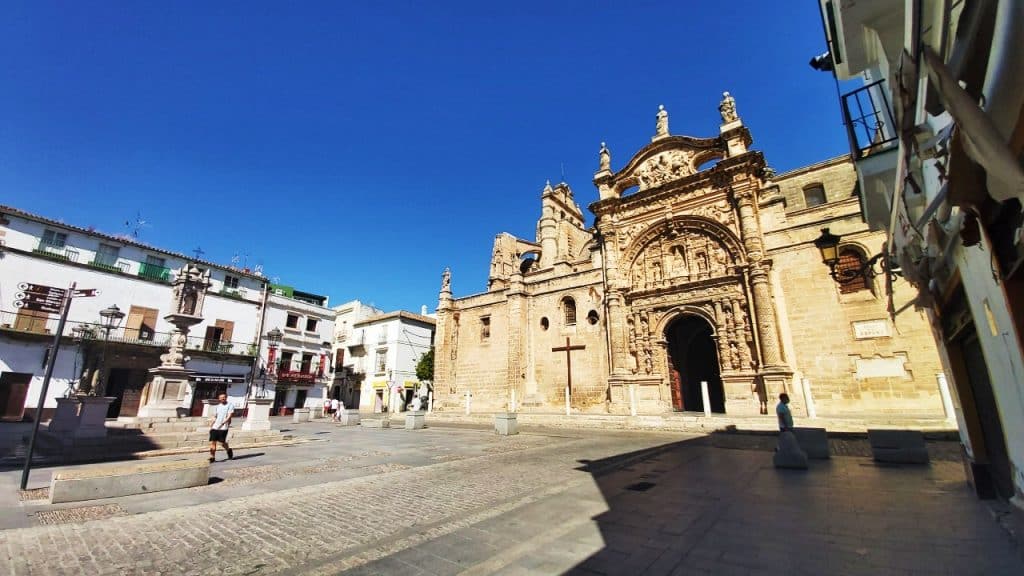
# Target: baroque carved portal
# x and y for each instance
(689, 256)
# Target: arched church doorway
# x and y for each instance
(693, 357)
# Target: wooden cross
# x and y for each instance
(568, 358)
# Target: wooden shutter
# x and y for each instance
(31, 320)
(228, 329)
(141, 323)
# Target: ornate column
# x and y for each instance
(618, 333)
(443, 353)
(721, 337)
(170, 380)
(764, 307)
(741, 334)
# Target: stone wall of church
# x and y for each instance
(857, 360)
(547, 371)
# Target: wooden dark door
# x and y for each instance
(13, 390)
(126, 386)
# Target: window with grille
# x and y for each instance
(814, 195)
(230, 281)
(850, 261)
(485, 327)
(107, 254)
(569, 307)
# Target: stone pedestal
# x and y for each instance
(415, 420)
(300, 415)
(258, 415)
(65, 419)
(348, 417)
(506, 424)
(778, 380)
(92, 416)
(742, 394)
(166, 392)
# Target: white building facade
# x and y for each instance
(136, 279)
(384, 350)
(345, 364)
(297, 371)
(936, 134)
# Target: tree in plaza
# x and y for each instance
(425, 367)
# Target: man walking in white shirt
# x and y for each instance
(219, 425)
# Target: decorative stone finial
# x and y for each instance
(446, 280)
(547, 187)
(606, 158)
(661, 126)
(727, 108)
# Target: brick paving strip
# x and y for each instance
(292, 529)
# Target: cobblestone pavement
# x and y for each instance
(445, 501)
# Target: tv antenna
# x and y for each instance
(134, 226)
(198, 252)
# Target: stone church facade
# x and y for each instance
(700, 266)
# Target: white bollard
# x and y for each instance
(468, 401)
(632, 399)
(512, 402)
(947, 400)
(430, 402)
(568, 401)
(705, 397)
(812, 412)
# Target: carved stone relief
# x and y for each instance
(664, 167)
(689, 256)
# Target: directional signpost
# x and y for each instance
(49, 300)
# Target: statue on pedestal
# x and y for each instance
(727, 108)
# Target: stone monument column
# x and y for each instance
(444, 352)
(170, 380)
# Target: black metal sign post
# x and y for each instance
(41, 299)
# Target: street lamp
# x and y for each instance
(828, 245)
(111, 319)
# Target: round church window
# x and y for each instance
(592, 317)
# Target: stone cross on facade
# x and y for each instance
(568, 349)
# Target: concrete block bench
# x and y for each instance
(813, 441)
(348, 417)
(506, 424)
(415, 420)
(301, 415)
(381, 423)
(112, 480)
(898, 446)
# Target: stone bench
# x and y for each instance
(813, 441)
(506, 424)
(348, 417)
(301, 415)
(110, 481)
(788, 454)
(376, 423)
(898, 446)
(415, 420)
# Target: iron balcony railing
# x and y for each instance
(870, 125)
(112, 266)
(56, 251)
(154, 272)
(42, 323)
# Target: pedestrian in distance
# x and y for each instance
(219, 425)
(335, 406)
(785, 416)
(327, 407)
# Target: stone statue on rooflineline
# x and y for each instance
(661, 126)
(446, 280)
(727, 108)
(606, 158)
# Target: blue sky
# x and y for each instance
(355, 149)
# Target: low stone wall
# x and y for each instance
(109, 481)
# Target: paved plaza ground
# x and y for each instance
(460, 500)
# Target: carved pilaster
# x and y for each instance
(742, 338)
(618, 333)
(765, 315)
(722, 338)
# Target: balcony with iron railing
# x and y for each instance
(154, 272)
(116, 266)
(46, 324)
(870, 125)
(56, 251)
